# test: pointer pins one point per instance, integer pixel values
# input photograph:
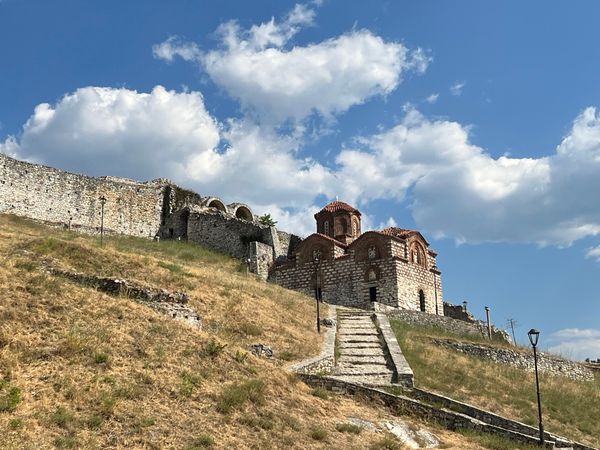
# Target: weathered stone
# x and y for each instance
(550, 364)
(261, 350)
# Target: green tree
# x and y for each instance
(267, 220)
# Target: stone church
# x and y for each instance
(381, 269)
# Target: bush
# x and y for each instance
(10, 396)
(234, 396)
(319, 434)
(348, 428)
(101, 358)
(213, 349)
(62, 417)
(323, 394)
(203, 441)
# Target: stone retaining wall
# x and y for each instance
(172, 304)
(483, 415)
(325, 361)
(405, 405)
(549, 364)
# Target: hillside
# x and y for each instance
(81, 369)
(571, 408)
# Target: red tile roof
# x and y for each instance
(339, 206)
(397, 232)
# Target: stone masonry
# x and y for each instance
(144, 209)
(384, 269)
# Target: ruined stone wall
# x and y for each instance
(58, 197)
(232, 236)
(287, 244)
(261, 258)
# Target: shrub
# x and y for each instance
(388, 442)
(348, 428)
(213, 349)
(100, 357)
(62, 417)
(203, 441)
(319, 434)
(10, 396)
(234, 396)
(323, 394)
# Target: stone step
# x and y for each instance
(363, 370)
(373, 380)
(361, 351)
(362, 359)
(358, 333)
(359, 346)
(359, 339)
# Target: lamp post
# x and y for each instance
(433, 271)
(489, 326)
(102, 203)
(534, 335)
(318, 292)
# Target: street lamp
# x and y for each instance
(434, 269)
(318, 291)
(534, 336)
(102, 203)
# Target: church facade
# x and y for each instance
(389, 268)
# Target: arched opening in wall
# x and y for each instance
(343, 226)
(421, 300)
(244, 213)
(216, 204)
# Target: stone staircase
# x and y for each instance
(363, 356)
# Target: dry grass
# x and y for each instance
(571, 408)
(80, 369)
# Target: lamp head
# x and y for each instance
(534, 336)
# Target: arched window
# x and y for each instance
(343, 226)
(421, 300)
(354, 227)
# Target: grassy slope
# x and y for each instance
(570, 408)
(79, 369)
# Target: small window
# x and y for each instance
(326, 227)
(421, 300)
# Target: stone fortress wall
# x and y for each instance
(143, 209)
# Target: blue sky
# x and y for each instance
(473, 121)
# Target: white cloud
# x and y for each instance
(431, 99)
(276, 82)
(593, 253)
(457, 88)
(576, 343)
(460, 191)
(119, 132)
(173, 47)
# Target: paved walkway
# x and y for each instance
(362, 358)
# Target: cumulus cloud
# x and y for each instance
(458, 190)
(576, 343)
(457, 88)
(276, 81)
(121, 132)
